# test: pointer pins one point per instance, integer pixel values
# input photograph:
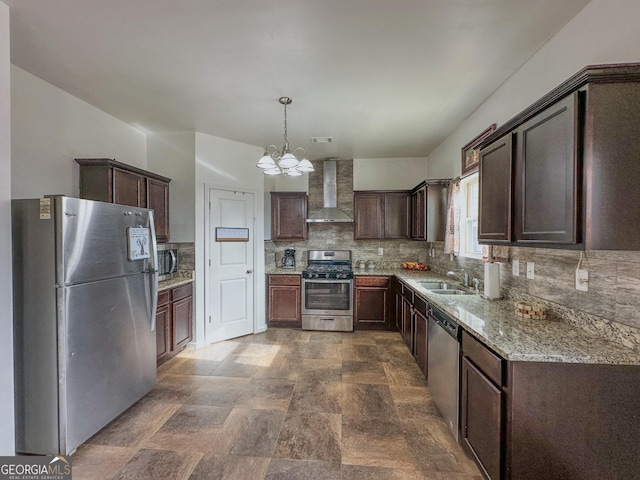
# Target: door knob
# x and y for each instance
(249, 271)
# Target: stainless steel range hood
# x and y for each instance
(330, 212)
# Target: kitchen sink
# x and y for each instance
(449, 291)
(436, 285)
(442, 288)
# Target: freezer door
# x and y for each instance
(107, 354)
(92, 240)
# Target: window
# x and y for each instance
(469, 198)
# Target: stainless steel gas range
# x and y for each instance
(327, 291)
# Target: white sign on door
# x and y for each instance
(138, 243)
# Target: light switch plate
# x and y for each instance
(530, 270)
(515, 268)
(582, 279)
(380, 251)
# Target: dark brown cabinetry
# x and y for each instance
(548, 420)
(411, 321)
(288, 216)
(407, 317)
(496, 192)
(572, 158)
(481, 406)
(174, 321)
(546, 172)
(108, 180)
(420, 333)
(163, 326)
(429, 210)
(372, 303)
(284, 301)
(381, 215)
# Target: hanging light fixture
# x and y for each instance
(284, 161)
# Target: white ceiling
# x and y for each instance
(384, 78)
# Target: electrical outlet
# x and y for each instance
(380, 251)
(582, 279)
(530, 270)
(515, 268)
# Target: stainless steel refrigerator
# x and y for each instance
(85, 296)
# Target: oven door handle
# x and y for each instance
(326, 280)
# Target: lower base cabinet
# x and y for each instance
(174, 321)
(372, 303)
(548, 420)
(284, 301)
(481, 418)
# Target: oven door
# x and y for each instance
(327, 297)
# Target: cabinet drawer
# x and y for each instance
(182, 292)
(420, 305)
(366, 281)
(483, 358)
(407, 293)
(163, 297)
(284, 279)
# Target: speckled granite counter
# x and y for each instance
(285, 271)
(172, 283)
(518, 339)
(515, 338)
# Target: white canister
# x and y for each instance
(492, 280)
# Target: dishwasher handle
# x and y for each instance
(447, 324)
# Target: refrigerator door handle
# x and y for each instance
(153, 271)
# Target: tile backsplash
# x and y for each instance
(612, 302)
(610, 307)
(340, 237)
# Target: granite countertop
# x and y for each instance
(285, 271)
(495, 324)
(173, 282)
(517, 339)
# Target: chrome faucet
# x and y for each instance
(476, 284)
(464, 278)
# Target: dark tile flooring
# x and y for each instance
(284, 404)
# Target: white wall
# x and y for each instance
(173, 155)
(225, 163)
(7, 435)
(50, 127)
(388, 173)
(605, 31)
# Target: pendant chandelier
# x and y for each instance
(284, 161)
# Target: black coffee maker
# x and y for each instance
(289, 258)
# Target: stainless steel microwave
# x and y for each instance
(167, 262)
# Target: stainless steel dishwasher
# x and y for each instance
(443, 366)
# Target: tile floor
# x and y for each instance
(284, 404)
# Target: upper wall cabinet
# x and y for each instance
(108, 180)
(288, 216)
(563, 173)
(381, 215)
(495, 179)
(429, 210)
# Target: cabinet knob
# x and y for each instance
(249, 271)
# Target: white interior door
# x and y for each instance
(230, 265)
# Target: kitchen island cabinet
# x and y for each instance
(372, 303)
(284, 301)
(174, 321)
(107, 180)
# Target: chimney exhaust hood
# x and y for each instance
(330, 212)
